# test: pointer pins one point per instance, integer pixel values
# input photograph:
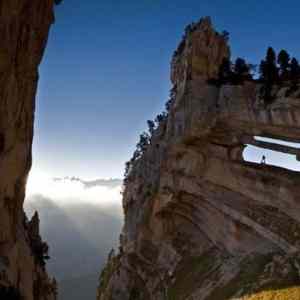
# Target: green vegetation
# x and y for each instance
(188, 29)
(294, 69)
(294, 75)
(146, 137)
(151, 126)
(42, 253)
(284, 63)
(141, 147)
(247, 281)
(268, 74)
(233, 73)
(273, 70)
(225, 35)
(245, 285)
(276, 70)
(108, 270)
(242, 69)
(225, 71)
(268, 68)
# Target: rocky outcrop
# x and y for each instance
(200, 222)
(24, 27)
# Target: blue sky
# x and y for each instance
(106, 71)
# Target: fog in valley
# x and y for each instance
(81, 221)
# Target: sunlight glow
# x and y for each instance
(274, 158)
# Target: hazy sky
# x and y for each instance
(106, 71)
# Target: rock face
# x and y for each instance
(200, 222)
(24, 26)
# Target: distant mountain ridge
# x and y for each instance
(111, 183)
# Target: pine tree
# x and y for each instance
(240, 66)
(241, 70)
(284, 63)
(268, 74)
(271, 67)
(172, 98)
(295, 69)
(151, 126)
(225, 71)
(160, 118)
(268, 68)
(143, 142)
(263, 70)
(127, 170)
(225, 35)
(294, 76)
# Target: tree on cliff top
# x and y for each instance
(294, 76)
(284, 64)
(241, 71)
(268, 67)
(145, 137)
(151, 127)
(233, 73)
(225, 35)
(295, 69)
(225, 71)
(241, 68)
(141, 147)
(143, 142)
(268, 74)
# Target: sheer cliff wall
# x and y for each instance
(24, 27)
(200, 221)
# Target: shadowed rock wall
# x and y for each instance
(24, 27)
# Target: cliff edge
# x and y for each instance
(201, 222)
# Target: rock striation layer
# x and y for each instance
(201, 222)
(24, 27)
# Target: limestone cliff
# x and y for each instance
(200, 222)
(24, 27)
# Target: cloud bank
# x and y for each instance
(81, 220)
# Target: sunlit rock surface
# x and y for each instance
(200, 222)
(24, 26)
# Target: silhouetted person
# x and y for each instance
(263, 160)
